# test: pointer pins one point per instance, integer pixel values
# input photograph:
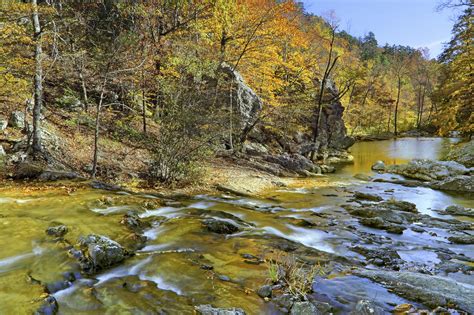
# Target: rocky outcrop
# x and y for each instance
(246, 102)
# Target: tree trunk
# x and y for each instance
(38, 84)
(96, 133)
(395, 119)
(84, 91)
(422, 106)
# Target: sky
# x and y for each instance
(415, 23)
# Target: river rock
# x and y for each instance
(265, 291)
(461, 183)
(432, 291)
(48, 307)
(379, 223)
(327, 168)
(365, 196)
(363, 177)
(304, 308)
(458, 210)
(100, 252)
(366, 307)
(428, 170)
(462, 239)
(17, 119)
(209, 310)
(132, 221)
(378, 166)
(220, 226)
(2, 151)
(57, 231)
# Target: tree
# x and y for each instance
(38, 81)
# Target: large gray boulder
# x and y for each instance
(432, 291)
(304, 308)
(17, 119)
(428, 170)
(247, 103)
(100, 252)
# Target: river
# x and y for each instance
(183, 265)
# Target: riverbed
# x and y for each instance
(182, 265)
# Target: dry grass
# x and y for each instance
(297, 277)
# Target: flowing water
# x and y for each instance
(171, 273)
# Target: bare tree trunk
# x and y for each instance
(422, 106)
(395, 119)
(38, 84)
(97, 128)
(231, 109)
(85, 98)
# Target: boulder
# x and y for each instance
(378, 166)
(304, 308)
(220, 226)
(209, 310)
(100, 252)
(17, 119)
(366, 307)
(429, 170)
(327, 168)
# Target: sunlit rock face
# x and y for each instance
(246, 102)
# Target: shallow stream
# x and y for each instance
(182, 265)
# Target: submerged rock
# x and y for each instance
(366, 307)
(365, 196)
(100, 252)
(220, 226)
(132, 221)
(57, 231)
(209, 310)
(432, 291)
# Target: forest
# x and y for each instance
(150, 72)
(232, 157)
